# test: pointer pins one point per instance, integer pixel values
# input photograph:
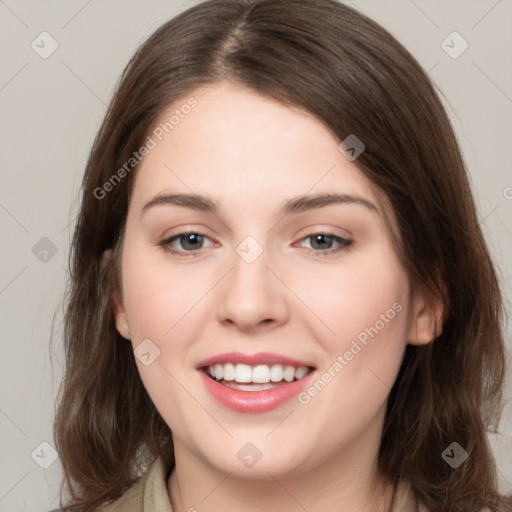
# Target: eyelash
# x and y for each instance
(343, 242)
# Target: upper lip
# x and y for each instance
(252, 360)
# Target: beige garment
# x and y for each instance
(149, 494)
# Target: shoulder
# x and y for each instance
(130, 501)
(147, 494)
(405, 500)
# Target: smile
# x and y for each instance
(255, 378)
(255, 397)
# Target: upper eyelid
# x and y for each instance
(307, 231)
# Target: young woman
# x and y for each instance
(280, 295)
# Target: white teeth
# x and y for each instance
(260, 374)
(243, 373)
(277, 373)
(289, 373)
(219, 371)
(229, 371)
(301, 372)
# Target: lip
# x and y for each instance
(252, 360)
(255, 401)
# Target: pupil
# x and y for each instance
(193, 237)
(320, 238)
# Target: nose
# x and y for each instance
(252, 297)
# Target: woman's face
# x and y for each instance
(265, 274)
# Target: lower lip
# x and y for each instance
(254, 401)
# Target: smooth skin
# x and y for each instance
(250, 154)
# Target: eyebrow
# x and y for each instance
(292, 206)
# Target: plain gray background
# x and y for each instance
(51, 109)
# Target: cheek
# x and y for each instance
(157, 297)
(365, 306)
(362, 298)
(163, 305)
(364, 311)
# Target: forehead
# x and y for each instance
(238, 145)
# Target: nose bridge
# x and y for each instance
(251, 293)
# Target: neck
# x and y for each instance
(347, 481)
(232, 494)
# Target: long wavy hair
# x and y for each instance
(355, 77)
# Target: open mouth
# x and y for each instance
(243, 377)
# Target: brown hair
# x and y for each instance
(350, 73)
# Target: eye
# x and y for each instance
(190, 242)
(322, 243)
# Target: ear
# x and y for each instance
(117, 301)
(426, 320)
